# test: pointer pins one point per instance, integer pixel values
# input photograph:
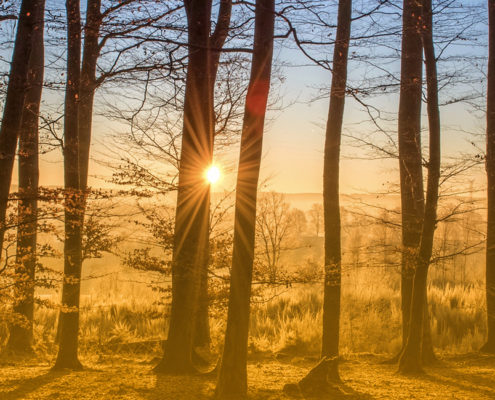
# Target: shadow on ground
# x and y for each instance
(120, 378)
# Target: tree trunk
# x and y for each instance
(232, 379)
(21, 335)
(14, 101)
(202, 328)
(91, 52)
(490, 173)
(411, 359)
(331, 204)
(193, 197)
(69, 314)
(410, 160)
(322, 379)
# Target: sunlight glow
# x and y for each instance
(213, 174)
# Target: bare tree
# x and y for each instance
(21, 334)
(69, 313)
(192, 212)
(316, 216)
(14, 101)
(412, 357)
(232, 378)
(410, 161)
(490, 173)
(321, 378)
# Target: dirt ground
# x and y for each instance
(454, 377)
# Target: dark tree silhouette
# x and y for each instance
(217, 40)
(232, 379)
(411, 358)
(14, 101)
(21, 334)
(410, 160)
(331, 204)
(320, 379)
(69, 313)
(489, 346)
(193, 197)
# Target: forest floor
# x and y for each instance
(469, 376)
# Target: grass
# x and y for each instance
(288, 323)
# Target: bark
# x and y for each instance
(232, 379)
(91, 52)
(490, 173)
(21, 335)
(202, 329)
(411, 358)
(14, 101)
(69, 314)
(410, 161)
(193, 197)
(331, 204)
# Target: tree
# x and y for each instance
(217, 40)
(69, 313)
(316, 216)
(331, 204)
(232, 378)
(21, 334)
(14, 101)
(411, 358)
(410, 160)
(490, 173)
(320, 379)
(274, 223)
(77, 137)
(192, 212)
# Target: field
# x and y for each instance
(124, 320)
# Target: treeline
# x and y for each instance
(190, 78)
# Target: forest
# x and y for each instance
(247, 199)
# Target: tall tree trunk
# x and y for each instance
(319, 381)
(14, 101)
(410, 161)
(232, 379)
(193, 197)
(91, 52)
(490, 173)
(21, 335)
(411, 359)
(217, 40)
(331, 205)
(69, 313)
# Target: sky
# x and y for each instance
(294, 136)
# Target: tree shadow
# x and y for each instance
(200, 386)
(473, 382)
(341, 391)
(30, 385)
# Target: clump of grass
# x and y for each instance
(289, 323)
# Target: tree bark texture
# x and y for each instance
(193, 197)
(217, 40)
(69, 314)
(14, 101)
(331, 204)
(232, 379)
(411, 359)
(410, 159)
(21, 335)
(490, 173)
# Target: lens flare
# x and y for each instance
(213, 174)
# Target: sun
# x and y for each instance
(213, 174)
